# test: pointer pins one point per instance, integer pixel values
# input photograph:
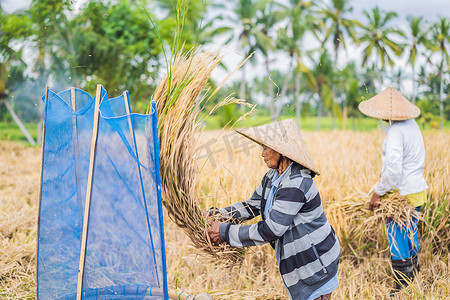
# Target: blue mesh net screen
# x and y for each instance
(125, 255)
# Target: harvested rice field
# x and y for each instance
(349, 163)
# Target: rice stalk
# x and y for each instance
(180, 99)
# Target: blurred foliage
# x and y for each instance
(14, 28)
(191, 16)
(117, 47)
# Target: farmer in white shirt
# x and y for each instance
(403, 160)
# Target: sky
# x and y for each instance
(426, 8)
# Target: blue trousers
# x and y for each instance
(402, 247)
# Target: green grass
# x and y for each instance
(310, 123)
(11, 132)
(307, 123)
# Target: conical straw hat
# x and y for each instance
(389, 105)
(283, 137)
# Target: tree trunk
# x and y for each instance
(298, 102)
(319, 110)
(336, 54)
(379, 76)
(242, 91)
(279, 107)
(270, 89)
(380, 81)
(414, 84)
(336, 51)
(441, 95)
(344, 118)
(333, 112)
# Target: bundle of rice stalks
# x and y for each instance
(180, 99)
(398, 208)
(361, 227)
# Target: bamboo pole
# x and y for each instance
(127, 109)
(19, 123)
(88, 194)
(72, 99)
(40, 193)
(177, 295)
(75, 148)
(181, 296)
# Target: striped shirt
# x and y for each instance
(276, 179)
(306, 246)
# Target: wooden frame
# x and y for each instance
(88, 193)
(40, 191)
(75, 147)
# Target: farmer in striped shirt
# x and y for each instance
(293, 220)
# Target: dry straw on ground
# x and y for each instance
(349, 161)
(19, 189)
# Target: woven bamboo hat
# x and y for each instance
(389, 105)
(283, 137)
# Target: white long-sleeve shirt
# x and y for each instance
(403, 160)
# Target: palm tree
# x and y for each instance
(324, 77)
(267, 18)
(290, 37)
(369, 76)
(352, 91)
(418, 38)
(300, 71)
(338, 25)
(245, 14)
(397, 76)
(439, 43)
(380, 36)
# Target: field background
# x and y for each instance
(349, 162)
